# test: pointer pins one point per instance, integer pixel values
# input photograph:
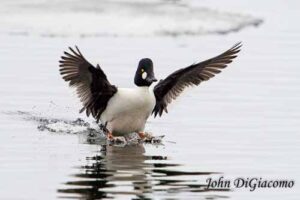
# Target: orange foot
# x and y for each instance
(110, 136)
(115, 140)
(144, 136)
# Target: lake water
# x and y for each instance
(242, 123)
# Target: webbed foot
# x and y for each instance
(116, 140)
(149, 138)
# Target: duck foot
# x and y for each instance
(117, 141)
(149, 138)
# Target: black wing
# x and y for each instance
(92, 86)
(168, 89)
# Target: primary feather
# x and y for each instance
(171, 87)
(92, 86)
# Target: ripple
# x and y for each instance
(115, 171)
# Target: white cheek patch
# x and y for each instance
(144, 75)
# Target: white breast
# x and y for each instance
(128, 110)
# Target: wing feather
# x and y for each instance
(92, 86)
(171, 87)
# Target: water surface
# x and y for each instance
(242, 123)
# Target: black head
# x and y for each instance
(144, 75)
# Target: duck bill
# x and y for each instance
(151, 79)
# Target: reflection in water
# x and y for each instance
(118, 171)
(124, 171)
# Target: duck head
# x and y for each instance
(144, 75)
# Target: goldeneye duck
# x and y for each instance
(126, 110)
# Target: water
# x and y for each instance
(127, 171)
(242, 123)
(134, 18)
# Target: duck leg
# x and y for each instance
(145, 136)
(149, 138)
(115, 140)
(110, 136)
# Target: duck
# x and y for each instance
(120, 111)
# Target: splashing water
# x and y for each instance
(87, 132)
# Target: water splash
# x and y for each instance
(88, 133)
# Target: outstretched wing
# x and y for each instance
(168, 89)
(92, 86)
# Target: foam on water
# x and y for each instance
(56, 125)
(117, 18)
